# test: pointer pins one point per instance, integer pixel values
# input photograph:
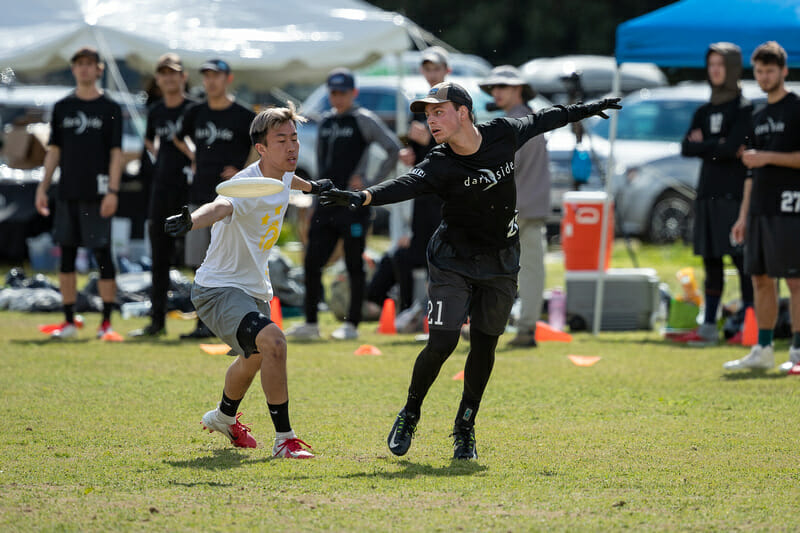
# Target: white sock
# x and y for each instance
(229, 420)
(281, 435)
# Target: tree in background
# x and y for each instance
(515, 31)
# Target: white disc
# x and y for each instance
(250, 187)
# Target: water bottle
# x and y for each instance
(132, 309)
(557, 309)
(581, 164)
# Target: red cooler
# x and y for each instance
(581, 228)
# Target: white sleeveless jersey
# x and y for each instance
(241, 243)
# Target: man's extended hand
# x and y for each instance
(179, 225)
(597, 108)
(319, 186)
(352, 199)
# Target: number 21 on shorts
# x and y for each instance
(790, 202)
(435, 313)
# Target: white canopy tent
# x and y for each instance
(264, 41)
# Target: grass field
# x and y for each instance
(107, 436)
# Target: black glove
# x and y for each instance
(597, 108)
(352, 199)
(319, 186)
(179, 225)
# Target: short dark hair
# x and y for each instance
(456, 105)
(769, 53)
(271, 118)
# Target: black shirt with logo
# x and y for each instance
(725, 128)
(86, 131)
(164, 123)
(221, 138)
(776, 128)
(479, 212)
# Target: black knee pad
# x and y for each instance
(248, 330)
(68, 255)
(103, 258)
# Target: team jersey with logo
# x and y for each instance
(86, 131)
(221, 138)
(776, 127)
(343, 141)
(241, 243)
(725, 128)
(479, 211)
(172, 167)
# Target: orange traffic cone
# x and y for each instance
(545, 332)
(459, 376)
(750, 332)
(386, 324)
(275, 313)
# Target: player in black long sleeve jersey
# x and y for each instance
(473, 258)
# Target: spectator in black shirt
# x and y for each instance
(219, 130)
(769, 220)
(345, 134)
(718, 135)
(473, 258)
(85, 142)
(170, 187)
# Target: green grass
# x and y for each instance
(653, 437)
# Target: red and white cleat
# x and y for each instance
(238, 433)
(291, 449)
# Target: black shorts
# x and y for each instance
(78, 223)
(482, 287)
(714, 218)
(771, 246)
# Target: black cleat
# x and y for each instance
(464, 442)
(201, 332)
(150, 331)
(402, 432)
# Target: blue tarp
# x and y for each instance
(678, 35)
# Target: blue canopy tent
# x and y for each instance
(678, 35)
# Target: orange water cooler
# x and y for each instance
(581, 228)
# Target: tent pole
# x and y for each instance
(119, 82)
(601, 262)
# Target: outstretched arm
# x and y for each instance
(203, 216)
(554, 117)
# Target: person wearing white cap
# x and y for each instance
(532, 179)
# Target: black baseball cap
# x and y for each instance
(217, 65)
(86, 51)
(341, 79)
(443, 92)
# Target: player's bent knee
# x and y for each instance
(249, 330)
(271, 342)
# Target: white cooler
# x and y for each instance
(630, 299)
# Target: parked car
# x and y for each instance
(379, 95)
(653, 185)
(461, 65)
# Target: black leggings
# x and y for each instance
(323, 235)
(441, 344)
(715, 277)
(101, 255)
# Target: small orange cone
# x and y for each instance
(367, 349)
(275, 313)
(386, 324)
(750, 333)
(215, 349)
(425, 328)
(545, 332)
(583, 360)
(459, 376)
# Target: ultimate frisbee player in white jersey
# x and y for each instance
(232, 289)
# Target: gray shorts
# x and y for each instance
(196, 244)
(78, 223)
(222, 310)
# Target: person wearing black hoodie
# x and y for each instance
(718, 135)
